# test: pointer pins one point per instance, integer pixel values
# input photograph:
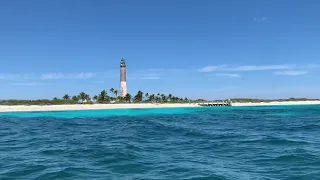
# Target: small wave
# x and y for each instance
(230, 143)
(305, 158)
(22, 170)
(275, 141)
(62, 174)
(53, 152)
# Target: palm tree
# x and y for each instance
(138, 97)
(151, 98)
(163, 98)
(112, 93)
(157, 97)
(128, 97)
(75, 98)
(170, 97)
(88, 98)
(116, 93)
(55, 98)
(174, 99)
(82, 96)
(146, 95)
(95, 97)
(112, 90)
(103, 96)
(66, 97)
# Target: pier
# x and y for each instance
(216, 103)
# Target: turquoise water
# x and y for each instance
(275, 142)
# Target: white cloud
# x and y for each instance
(291, 73)
(258, 68)
(212, 68)
(50, 76)
(244, 68)
(232, 75)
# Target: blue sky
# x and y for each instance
(199, 49)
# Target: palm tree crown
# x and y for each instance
(116, 92)
(82, 96)
(128, 97)
(66, 97)
(103, 96)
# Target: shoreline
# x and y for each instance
(278, 103)
(69, 107)
(72, 107)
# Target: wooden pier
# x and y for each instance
(216, 103)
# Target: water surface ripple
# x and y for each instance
(280, 142)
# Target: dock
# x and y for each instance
(216, 103)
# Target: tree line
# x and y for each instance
(112, 96)
(104, 97)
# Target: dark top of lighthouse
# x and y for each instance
(122, 63)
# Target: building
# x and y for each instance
(123, 78)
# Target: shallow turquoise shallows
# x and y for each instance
(275, 142)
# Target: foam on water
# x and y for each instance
(279, 142)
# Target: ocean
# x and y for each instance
(271, 142)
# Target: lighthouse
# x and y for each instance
(123, 79)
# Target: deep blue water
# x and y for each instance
(276, 142)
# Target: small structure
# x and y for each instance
(217, 103)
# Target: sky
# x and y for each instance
(197, 49)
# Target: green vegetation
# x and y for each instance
(37, 102)
(104, 98)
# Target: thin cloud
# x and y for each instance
(11, 77)
(145, 78)
(212, 68)
(151, 78)
(260, 18)
(51, 76)
(231, 75)
(25, 84)
(145, 75)
(291, 73)
(311, 66)
(244, 68)
(98, 82)
(258, 68)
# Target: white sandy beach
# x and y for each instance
(275, 103)
(119, 106)
(89, 106)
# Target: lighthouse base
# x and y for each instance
(123, 88)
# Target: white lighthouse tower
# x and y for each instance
(123, 79)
